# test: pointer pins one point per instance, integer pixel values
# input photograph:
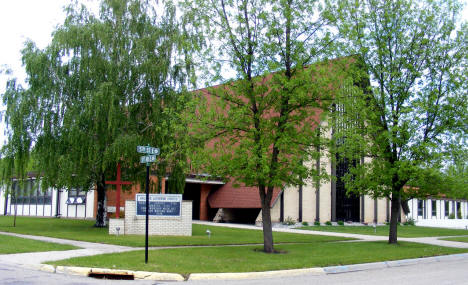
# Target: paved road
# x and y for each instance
(13, 274)
(442, 272)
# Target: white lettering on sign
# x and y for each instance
(159, 204)
(148, 150)
(147, 158)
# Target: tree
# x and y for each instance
(415, 53)
(16, 153)
(104, 85)
(260, 127)
(456, 173)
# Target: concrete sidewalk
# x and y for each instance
(36, 258)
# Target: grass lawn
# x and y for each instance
(84, 230)
(244, 259)
(10, 244)
(403, 231)
(460, 239)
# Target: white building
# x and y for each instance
(31, 201)
(436, 212)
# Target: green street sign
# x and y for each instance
(148, 150)
(147, 158)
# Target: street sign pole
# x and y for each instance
(147, 211)
(151, 152)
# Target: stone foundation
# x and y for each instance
(114, 224)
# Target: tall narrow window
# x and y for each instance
(31, 191)
(25, 192)
(434, 208)
(40, 194)
(420, 208)
(447, 208)
(48, 197)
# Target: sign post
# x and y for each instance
(147, 216)
(153, 152)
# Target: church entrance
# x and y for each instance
(347, 205)
(192, 193)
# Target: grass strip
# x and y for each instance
(246, 259)
(11, 244)
(83, 230)
(403, 231)
(459, 239)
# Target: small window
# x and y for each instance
(72, 192)
(76, 196)
(447, 208)
(434, 208)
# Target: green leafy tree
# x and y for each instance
(456, 173)
(16, 154)
(415, 53)
(104, 85)
(259, 127)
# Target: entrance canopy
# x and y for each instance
(231, 197)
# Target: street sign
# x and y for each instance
(148, 149)
(147, 158)
(153, 152)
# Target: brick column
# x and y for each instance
(204, 192)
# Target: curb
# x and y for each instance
(158, 276)
(393, 263)
(255, 275)
(86, 271)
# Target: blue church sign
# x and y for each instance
(160, 205)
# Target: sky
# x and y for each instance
(35, 20)
(22, 20)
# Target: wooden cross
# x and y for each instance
(118, 184)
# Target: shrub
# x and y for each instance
(451, 216)
(341, 223)
(316, 223)
(305, 224)
(289, 221)
(112, 215)
(328, 223)
(409, 222)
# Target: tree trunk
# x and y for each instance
(267, 229)
(395, 210)
(266, 219)
(101, 207)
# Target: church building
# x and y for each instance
(219, 201)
